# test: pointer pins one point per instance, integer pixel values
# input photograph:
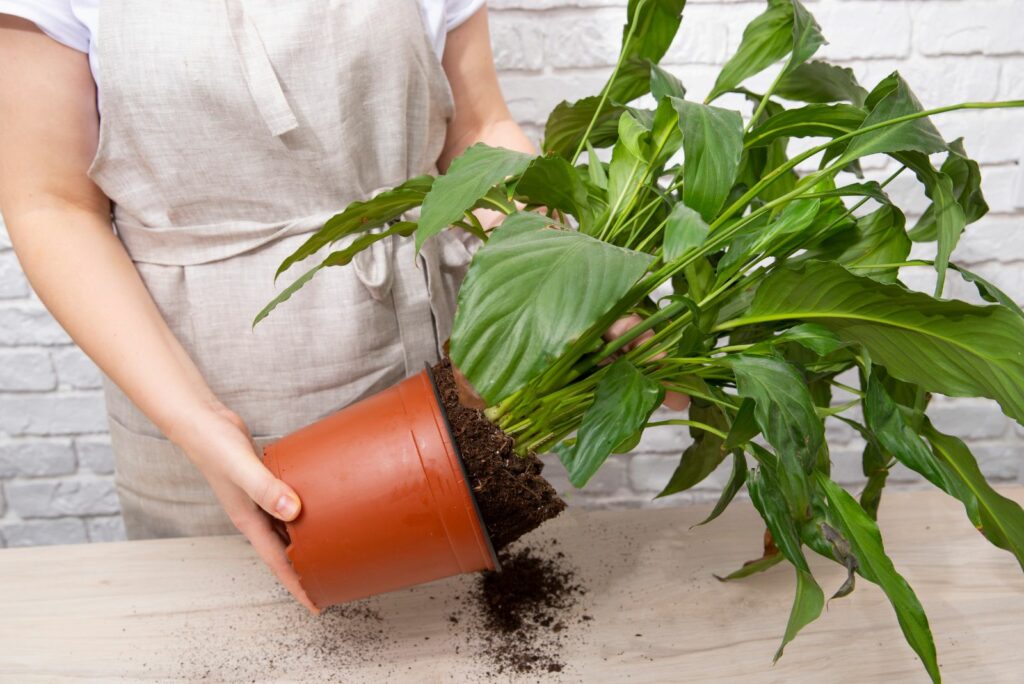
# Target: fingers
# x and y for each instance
(269, 493)
(271, 548)
(676, 401)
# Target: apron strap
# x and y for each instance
(259, 72)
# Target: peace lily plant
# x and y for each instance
(760, 284)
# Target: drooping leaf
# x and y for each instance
(1001, 519)
(704, 454)
(821, 82)
(712, 146)
(817, 338)
(792, 221)
(654, 24)
(966, 177)
(664, 84)
(737, 478)
(363, 216)
(568, 121)
(684, 230)
(337, 258)
(753, 567)
(744, 426)
(624, 400)
(949, 347)
(468, 178)
(775, 510)
(874, 565)
(785, 413)
(807, 37)
(988, 291)
(918, 135)
(875, 239)
(514, 315)
(766, 39)
(813, 120)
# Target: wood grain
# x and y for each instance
(205, 609)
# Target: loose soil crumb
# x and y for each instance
(513, 496)
(519, 617)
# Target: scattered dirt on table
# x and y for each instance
(520, 618)
(513, 496)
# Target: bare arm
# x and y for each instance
(59, 223)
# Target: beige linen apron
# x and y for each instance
(230, 130)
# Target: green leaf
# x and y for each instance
(704, 454)
(553, 182)
(736, 480)
(807, 37)
(917, 135)
(875, 566)
(468, 178)
(766, 39)
(595, 168)
(821, 82)
(654, 24)
(362, 216)
(949, 347)
(623, 401)
(712, 147)
(684, 230)
(514, 317)
(988, 291)
(664, 84)
(753, 567)
(337, 258)
(817, 338)
(568, 121)
(966, 177)
(794, 219)
(744, 426)
(1002, 520)
(785, 413)
(809, 599)
(876, 238)
(813, 120)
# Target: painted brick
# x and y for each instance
(76, 370)
(29, 324)
(26, 370)
(36, 458)
(965, 28)
(95, 454)
(44, 532)
(516, 41)
(12, 279)
(864, 30)
(107, 528)
(52, 414)
(970, 419)
(56, 498)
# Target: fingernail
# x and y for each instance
(287, 507)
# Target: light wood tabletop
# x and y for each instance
(205, 609)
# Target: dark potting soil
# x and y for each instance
(513, 496)
(519, 618)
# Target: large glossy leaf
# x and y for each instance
(1001, 519)
(704, 454)
(875, 239)
(809, 599)
(785, 413)
(468, 178)
(623, 401)
(766, 39)
(712, 146)
(813, 120)
(362, 216)
(874, 565)
(527, 296)
(949, 347)
(821, 82)
(918, 135)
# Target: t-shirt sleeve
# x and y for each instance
(458, 11)
(54, 18)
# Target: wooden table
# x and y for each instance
(195, 609)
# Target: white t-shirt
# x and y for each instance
(75, 23)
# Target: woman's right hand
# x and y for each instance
(219, 443)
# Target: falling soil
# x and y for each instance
(519, 618)
(513, 496)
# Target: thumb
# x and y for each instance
(269, 493)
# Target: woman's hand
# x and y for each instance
(219, 443)
(673, 400)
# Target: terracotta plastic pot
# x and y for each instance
(386, 501)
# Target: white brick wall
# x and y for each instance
(55, 460)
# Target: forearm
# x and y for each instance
(86, 279)
(502, 132)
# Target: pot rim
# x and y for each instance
(462, 467)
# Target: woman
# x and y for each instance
(218, 135)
